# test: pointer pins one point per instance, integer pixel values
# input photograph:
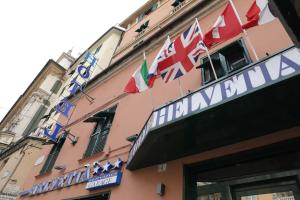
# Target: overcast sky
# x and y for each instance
(33, 31)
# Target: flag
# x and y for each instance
(139, 80)
(227, 26)
(258, 14)
(201, 47)
(162, 54)
(180, 55)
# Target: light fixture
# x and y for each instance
(160, 189)
(132, 138)
(61, 168)
(71, 137)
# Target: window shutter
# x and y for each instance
(49, 164)
(56, 86)
(99, 136)
(35, 120)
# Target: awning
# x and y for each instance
(256, 100)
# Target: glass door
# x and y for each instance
(275, 190)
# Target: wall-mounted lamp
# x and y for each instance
(132, 138)
(71, 137)
(61, 168)
(160, 189)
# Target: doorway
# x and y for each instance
(270, 173)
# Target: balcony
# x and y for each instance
(256, 100)
(7, 197)
(6, 138)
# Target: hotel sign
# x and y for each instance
(96, 176)
(265, 73)
(105, 180)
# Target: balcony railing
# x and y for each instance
(178, 7)
(7, 197)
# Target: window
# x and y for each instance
(142, 27)
(177, 2)
(33, 124)
(151, 9)
(99, 135)
(103, 196)
(140, 18)
(56, 86)
(53, 154)
(226, 60)
(98, 49)
(2, 165)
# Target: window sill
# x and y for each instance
(44, 174)
(87, 159)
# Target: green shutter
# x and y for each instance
(35, 120)
(56, 86)
(53, 155)
(99, 136)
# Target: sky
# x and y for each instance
(34, 31)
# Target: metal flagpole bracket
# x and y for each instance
(71, 137)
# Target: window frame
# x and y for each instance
(100, 133)
(224, 63)
(53, 154)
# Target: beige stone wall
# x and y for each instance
(107, 50)
(17, 167)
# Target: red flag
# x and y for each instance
(227, 26)
(258, 14)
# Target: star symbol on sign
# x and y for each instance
(118, 164)
(97, 168)
(107, 167)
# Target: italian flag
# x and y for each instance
(139, 80)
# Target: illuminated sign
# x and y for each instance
(106, 180)
(65, 106)
(97, 176)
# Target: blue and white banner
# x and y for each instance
(110, 179)
(265, 73)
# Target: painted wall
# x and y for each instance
(16, 167)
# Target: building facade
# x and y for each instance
(102, 50)
(19, 142)
(23, 118)
(16, 162)
(193, 138)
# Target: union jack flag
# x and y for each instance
(182, 54)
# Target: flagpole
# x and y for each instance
(207, 52)
(150, 89)
(244, 31)
(152, 99)
(180, 88)
(179, 83)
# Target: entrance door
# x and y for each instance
(259, 174)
